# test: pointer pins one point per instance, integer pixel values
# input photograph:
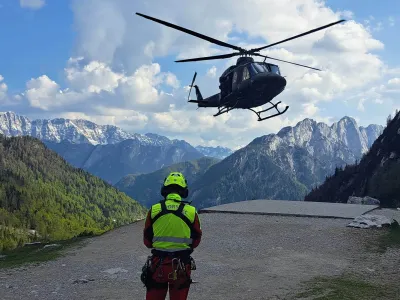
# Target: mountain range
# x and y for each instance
(285, 166)
(105, 150)
(376, 175)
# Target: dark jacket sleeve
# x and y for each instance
(148, 232)
(197, 232)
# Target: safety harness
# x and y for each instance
(178, 213)
(178, 256)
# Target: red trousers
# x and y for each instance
(163, 280)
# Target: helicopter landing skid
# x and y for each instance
(258, 113)
(222, 111)
(225, 109)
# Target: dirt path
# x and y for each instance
(240, 257)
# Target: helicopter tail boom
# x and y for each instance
(212, 101)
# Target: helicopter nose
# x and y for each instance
(270, 80)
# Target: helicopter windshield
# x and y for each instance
(274, 69)
(259, 68)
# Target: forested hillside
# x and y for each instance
(44, 198)
(376, 175)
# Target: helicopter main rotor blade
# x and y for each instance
(256, 54)
(209, 57)
(199, 35)
(297, 36)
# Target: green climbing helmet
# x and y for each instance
(175, 182)
(175, 178)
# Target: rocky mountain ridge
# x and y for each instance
(79, 131)
(283, 166)
(376, 174)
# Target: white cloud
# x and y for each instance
(3, 89)
(95, 77)
(96, 84)
(310, 109)
(347, 14)
(394, 82)
(391, 21)
(360, 106)
(212, 72)
(171, 80)
(33, 4)
(44, 93)
(378, 27)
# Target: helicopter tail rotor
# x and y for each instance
(194, 78)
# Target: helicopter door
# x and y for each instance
(234, 80)
(245, 82)
(237, 78)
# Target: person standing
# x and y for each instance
(172, 229)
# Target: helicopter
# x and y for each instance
(247, 84)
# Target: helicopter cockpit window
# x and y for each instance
(275, 69)
(246, 74)
(234, 79)
(259, 68)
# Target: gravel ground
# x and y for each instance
(240, 257)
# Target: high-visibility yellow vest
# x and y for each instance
(172, 223)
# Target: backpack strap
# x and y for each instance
(178, 213)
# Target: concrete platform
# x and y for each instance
(293, 208)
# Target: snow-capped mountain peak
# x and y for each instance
(72, 130)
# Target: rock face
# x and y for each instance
(376, 175)
(286, 165)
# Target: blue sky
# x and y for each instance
(39, 41)
(36, 41)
